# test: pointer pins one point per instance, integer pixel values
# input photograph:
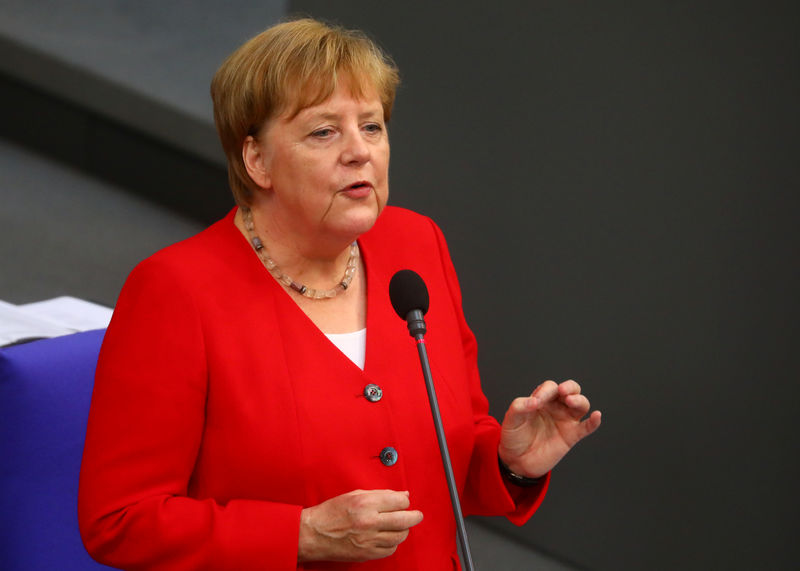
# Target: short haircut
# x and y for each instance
(285, 69)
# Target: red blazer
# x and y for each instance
(220, 410)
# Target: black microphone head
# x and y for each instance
(407, 291)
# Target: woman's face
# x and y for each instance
(326, 170)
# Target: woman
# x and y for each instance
(257, 403)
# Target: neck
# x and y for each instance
(307, 260)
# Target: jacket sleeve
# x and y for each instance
(144, 431)
(486, 491)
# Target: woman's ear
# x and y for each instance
(256, 162)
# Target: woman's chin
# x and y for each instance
(358, 218)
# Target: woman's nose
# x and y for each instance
(355, 150)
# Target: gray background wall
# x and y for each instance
(618, 184)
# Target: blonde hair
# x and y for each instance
(283, 70)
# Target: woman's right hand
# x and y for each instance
(357, 526)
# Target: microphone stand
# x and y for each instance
(417, 328)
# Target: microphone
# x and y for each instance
(410, 300)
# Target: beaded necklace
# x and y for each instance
(269, 263)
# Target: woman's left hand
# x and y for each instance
(540, 429)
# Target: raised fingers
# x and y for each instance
(517, 412)
(578, 404)
(592, 423)
(569, 387)
(547, 391)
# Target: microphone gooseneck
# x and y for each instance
(409, 296)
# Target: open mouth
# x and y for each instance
(359, 184)
(358, 189)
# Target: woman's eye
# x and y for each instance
(373, 127)
(322, 133)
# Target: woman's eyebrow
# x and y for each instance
(333, 116)
(376, 112)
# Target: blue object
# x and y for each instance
(45, 391)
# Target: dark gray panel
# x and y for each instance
(618, 183)
(146, 65)
(64, 233)
(117, 153)
(166, 51)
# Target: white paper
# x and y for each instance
(50, 318)
(71, 312)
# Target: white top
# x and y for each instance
(354, 345)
